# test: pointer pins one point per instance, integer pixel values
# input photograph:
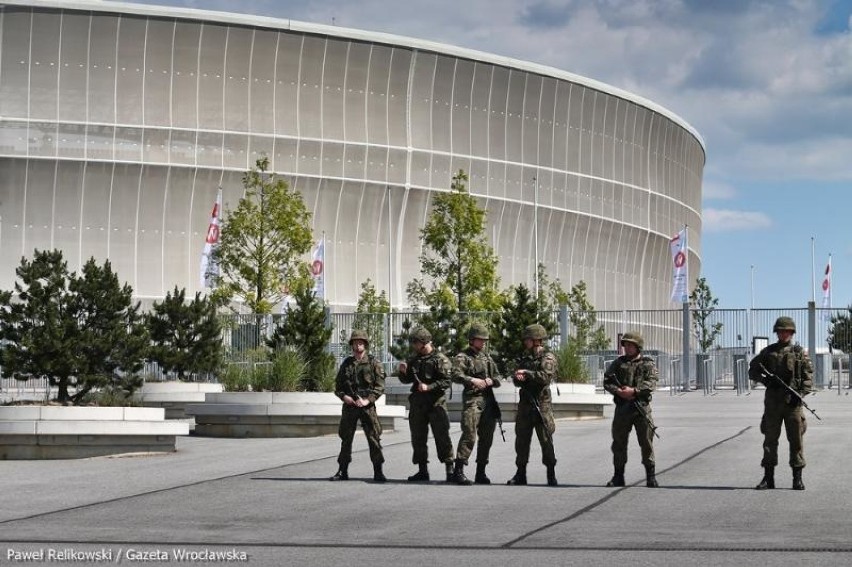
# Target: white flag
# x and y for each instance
(679, 267)
(209, 267)
(318, 269)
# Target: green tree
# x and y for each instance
(261, 242)
(457, 258)
(68, 328)
(518, 310)
(587, 334)
(370, 313)
(186, 338)
(840, 332)
(703, 304)
(306, 329)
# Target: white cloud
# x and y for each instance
(721, 220)
(718, 190)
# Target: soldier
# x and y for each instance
(428, 372)
(631, 378)
(536, 370)
(790, 364)
(360, 382)
(475, 369)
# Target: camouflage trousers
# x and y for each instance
(372, 429)
(625, 418)
(527, 420)
(476, 421)
(776, 411)
(427, 411)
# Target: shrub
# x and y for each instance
(570, 366)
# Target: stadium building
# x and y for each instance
(119, 121)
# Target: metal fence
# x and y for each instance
(723, 365)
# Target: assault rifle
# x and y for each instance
(639, 407)
(765, 373)
(492, 406)
(533, 398)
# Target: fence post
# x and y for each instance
(812, 329)
(563, 325)
(685, 356)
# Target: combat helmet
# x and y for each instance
(633, 337)
(784, 324)
(359, 334)
(420, 334)
(535, 331)
(477, 331)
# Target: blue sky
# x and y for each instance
(767, 83)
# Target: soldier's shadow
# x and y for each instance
(352, 479)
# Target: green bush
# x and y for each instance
(236, 377)
(570, 366)
(287, 371)
(324, 373)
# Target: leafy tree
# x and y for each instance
(261, 241)
(840, 331)
(370, 315)
(703, 305)
(186, 337)
(461, 264)
(72, 329)
(583, 321)
(306, 329)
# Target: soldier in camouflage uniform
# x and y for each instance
(536, 370)
(631, 378)
(791, 364)
(360, 382)
(475, 368)
(428, 372)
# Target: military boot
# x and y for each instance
(551, 476)
(797, 479)
(768, 480)
(450, 474)
(459, 476)
(421, 475)
(378, 475)
(480, 477)
(617, 478)
(342, 472)
(651, 476)
(520, 478)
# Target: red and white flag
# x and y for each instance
(318, 269)
(209, 267)
(826, 285)
(679, 267)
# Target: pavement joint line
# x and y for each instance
(596, 504)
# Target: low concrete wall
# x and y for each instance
(174, 396)
(277, 414)
(571, 401)
(58, 432)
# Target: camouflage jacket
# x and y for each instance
(469, 364)
(787, 361)
(364, 378)
(640, 373)
(433, 369)
(541, 367)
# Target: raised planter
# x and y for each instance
(173, 396)
(574, 401)
(58, 432)
(277, 414)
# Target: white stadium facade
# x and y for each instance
(119, 121)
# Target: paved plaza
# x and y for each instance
(268, 501)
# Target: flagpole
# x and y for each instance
(813, 272)
(324, 272)
(535, 232)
